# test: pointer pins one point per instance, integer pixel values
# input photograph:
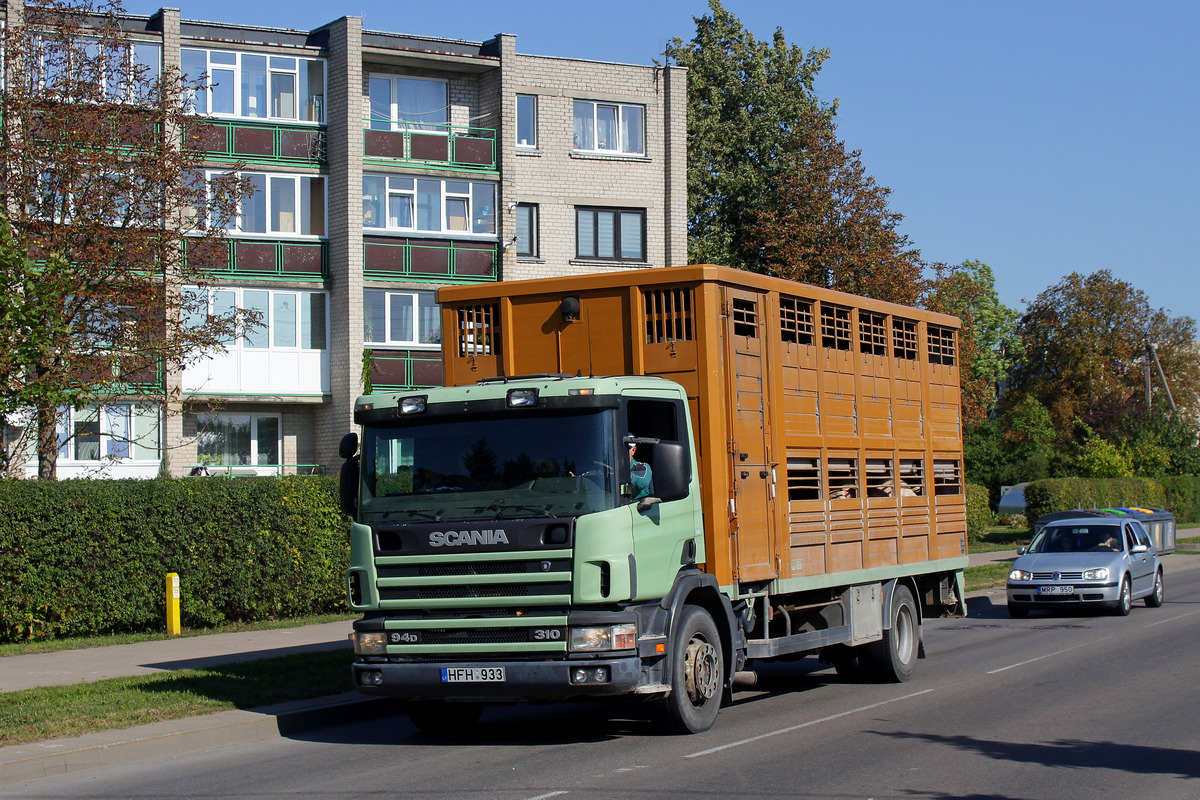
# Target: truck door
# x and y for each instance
(752, 469)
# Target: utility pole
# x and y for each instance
(1152, 355)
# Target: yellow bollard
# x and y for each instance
(173, 604)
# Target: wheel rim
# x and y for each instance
(1126, 598)
(1158, 588)
(903, 635)
(703, 670)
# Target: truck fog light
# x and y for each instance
(370, 678)
(370, 643)
(601, 675)
(578, 676)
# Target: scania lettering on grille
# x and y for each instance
(465, 538)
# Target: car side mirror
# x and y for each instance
(1139, 548)
(1021, 550)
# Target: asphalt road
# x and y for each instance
(1076, 706)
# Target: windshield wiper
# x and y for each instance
(429, 515)
(499, 508)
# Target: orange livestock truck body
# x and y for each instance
(803, 448)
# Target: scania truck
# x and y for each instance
(640, 485)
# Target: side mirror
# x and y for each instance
(348, 446)
(1021, 550)
(1139, 548)
(348, 486)
(672, 471)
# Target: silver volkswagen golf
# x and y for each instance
(1088, 561)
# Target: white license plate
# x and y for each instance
(1056, 590)
(472, 674)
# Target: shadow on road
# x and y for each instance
(1073, 754)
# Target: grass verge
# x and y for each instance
(986, 576)
(52, 712)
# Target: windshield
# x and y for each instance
(510, 466)
(1077, 539)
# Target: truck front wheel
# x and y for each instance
(892, 658)
(698, 674)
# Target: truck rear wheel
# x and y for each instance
(442, 718)
(698, 674)
(892, 658)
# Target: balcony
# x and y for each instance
(456, 147)
(400, 370)
(387, 258)
(262, 260)
(260, 143)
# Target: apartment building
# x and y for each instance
(384, 165)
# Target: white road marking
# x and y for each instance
(1048, 655)
(1172, 619)
(544, 796)
(719, 748)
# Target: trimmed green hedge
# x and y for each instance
(1063, 494)
(1183, 496)
(83, 557)
(979, 513)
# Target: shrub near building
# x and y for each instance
(86, 557)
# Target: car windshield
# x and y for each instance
(490, 468)
(1077, 539)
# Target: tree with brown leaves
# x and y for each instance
(103, 194)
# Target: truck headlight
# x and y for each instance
(370, 643)
(1020, 575)
(598, 638)
(1098, 574)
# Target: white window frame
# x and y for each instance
(436, 122)
(109, 433)
(254, 419)
(310, 108)
(132, 61)
(623, 113)
(479, 199)
(419, 302)
(302, 215)
(269, 326)
(530, 142)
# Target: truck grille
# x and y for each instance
(477, 605)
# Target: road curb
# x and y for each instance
(58, 757)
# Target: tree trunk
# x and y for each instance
(47, 442)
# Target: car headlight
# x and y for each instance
(370, 643)
(1020, 575)
(597, 638)
(1100, 574)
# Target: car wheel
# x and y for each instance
(1155, 598)
(1124, 600)
(698, 675)
(1017, 612)
(892, 658)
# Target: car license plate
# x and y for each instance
(1056, 590)
(472, 674)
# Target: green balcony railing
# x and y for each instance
(258, 142)
(441, 146)
(263, 260)
(388, 258)
(401, 370)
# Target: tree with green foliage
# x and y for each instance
(101, 179)
(747, 102)
(829, 223)
(1084, 342)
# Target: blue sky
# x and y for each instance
(1042, 138)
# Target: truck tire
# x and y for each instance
(892, 658)
(698, 675)
(441, 718)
